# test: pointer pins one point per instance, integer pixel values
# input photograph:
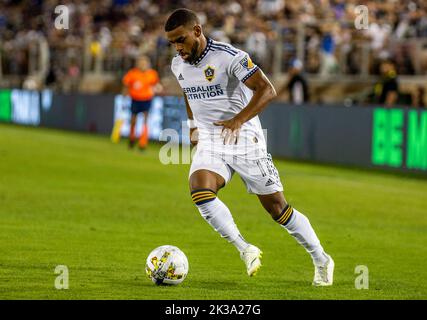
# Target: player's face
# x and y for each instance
(143, 63)
(386, 68)
(186, 41)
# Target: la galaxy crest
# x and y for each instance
(247, 63)
(209, 73)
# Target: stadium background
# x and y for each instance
(71, 79)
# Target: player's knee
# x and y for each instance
(200, 180)
(202, 195)
(274, 208)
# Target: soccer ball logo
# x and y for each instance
(167, 265)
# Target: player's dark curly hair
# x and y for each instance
(181, 17)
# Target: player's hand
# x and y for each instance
(194, 136)
(230, 131)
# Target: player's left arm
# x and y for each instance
(127, 82)
(263, 93)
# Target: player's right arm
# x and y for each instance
(193, 131)
(126, 81)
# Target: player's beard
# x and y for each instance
(193, 53)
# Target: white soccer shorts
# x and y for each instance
(256, 169)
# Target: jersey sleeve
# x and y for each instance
(154, 77)
(127, 78)
(242, 67)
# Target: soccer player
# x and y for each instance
(224, 92)
(141, 82)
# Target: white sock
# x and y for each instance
(240, 243)
(300, 228)
(216, 213)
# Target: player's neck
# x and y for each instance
(203, 44)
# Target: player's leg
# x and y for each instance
(132, 130)
(206, 179)
(145, 108)
(299, 227)
(143, 140)
(204, 186)
(262, 178)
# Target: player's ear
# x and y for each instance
(197, 30)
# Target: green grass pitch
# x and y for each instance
(79, 200)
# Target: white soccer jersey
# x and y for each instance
(215, 89)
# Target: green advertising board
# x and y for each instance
(5, 106)
(399, 138)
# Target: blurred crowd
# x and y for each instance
(121, 30)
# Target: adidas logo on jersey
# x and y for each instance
(269, 182)
(180, 77)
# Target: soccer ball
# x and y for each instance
(167, 265)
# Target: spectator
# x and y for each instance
(328, 60)
(386, 91)
(256, 46)
(297, 85)
(121, 30)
